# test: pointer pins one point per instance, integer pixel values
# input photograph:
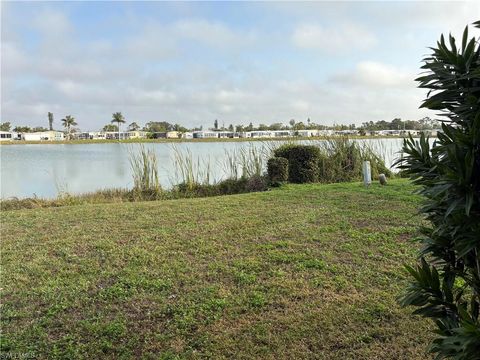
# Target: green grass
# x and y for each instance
(304, 271)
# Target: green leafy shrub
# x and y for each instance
(277, 169)
(284, 150)
(303, 161)
(446, 284)
(233, 186)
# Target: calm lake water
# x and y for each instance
(46, 170)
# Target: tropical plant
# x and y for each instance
(68, 122)
(446, 283)
(119, 119)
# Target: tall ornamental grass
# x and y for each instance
(145, 172)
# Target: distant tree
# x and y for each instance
(119, 119)
(39, 129)
(5, 126)
(411, 125)
(292, 123)
(215, 124)
(240, 128)
(68, 122)
(300, 126)
(276, 126)
(133, 126)
(158, 126)
(22, 129)
(249, 127)
(110, 127)
(179, 128)
(262, 127)
(396, 124)
(50, 121)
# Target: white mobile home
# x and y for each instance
(307, 133)
(204, 134)
(281, 133)
(6, 136)
(187, 135)
(260, 134)
(44, 136)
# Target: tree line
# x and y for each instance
(69, 122)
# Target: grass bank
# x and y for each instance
(304, 271)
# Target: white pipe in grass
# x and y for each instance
(367, 173)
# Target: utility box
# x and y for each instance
(367, 173)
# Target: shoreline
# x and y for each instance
(141, 141)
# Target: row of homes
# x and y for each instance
(35, 136)
(209, 134)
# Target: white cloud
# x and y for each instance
(215, 34)
(338, 39)
(238, 76)
(376, 74)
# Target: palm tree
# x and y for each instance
(50, 121)
(68, 122)
(119, 119)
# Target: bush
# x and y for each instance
(256, 183)
(284, 151)
(233, 186)
(277, 169)
(303, 161)
(446, 283)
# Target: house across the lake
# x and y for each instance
(50, 135)
(205, 134)
(7, 136)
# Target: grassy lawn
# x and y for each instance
(305, 271)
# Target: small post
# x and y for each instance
(367, 174)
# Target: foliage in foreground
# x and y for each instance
(446, 283)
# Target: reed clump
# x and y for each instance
(146, 184)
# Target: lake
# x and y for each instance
(44, 170)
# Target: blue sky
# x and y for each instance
(194, 62)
